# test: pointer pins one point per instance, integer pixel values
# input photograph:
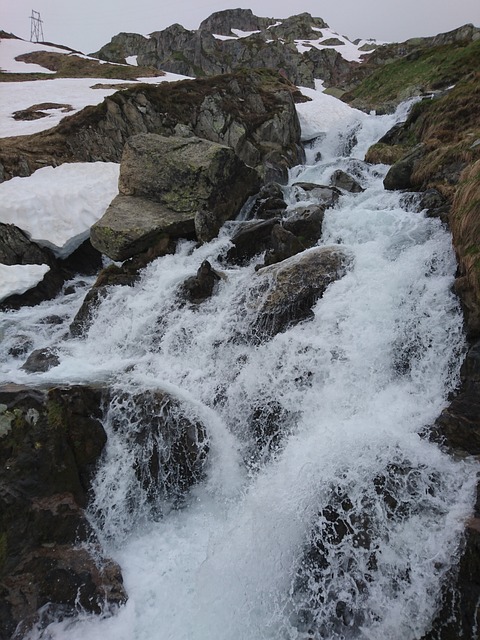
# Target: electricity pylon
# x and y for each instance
(36, 31)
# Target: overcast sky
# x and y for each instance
(88, 24)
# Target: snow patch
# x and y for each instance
(132, 60)
(217, 36)
(56, 206)
(243, 34)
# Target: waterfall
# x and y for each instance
(318, 510)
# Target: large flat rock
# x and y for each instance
(133, 224)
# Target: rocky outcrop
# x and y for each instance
(122, 46)
(175, 187)
(283, 294)
(252, 111)
(49, 446)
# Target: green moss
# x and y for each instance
(429, 68)
(55, 414)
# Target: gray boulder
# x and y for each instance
(283, 294)
(172, 186)
(284, 245)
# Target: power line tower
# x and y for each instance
(36, 30)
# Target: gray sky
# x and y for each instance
(88, 24)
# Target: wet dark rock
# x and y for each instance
(21, 346)
(269, 424)
(458, 429)
(306, 223)
(200, 287)
(284, 244)
(269, 203)
(436, 205)
(113, 275)
(399, 174)
(459, 614)
(57, 583)
(250, 239)
(458, 426)
(169, 449)
(345, 181)
(41, 360)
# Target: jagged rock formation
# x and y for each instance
(252, 112)
(214, 47)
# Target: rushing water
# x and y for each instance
(347, 524)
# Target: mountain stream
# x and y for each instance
(345, 526)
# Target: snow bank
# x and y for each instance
(57, 206)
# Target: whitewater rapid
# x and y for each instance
(348, 525)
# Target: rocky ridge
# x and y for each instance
(234, 39)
